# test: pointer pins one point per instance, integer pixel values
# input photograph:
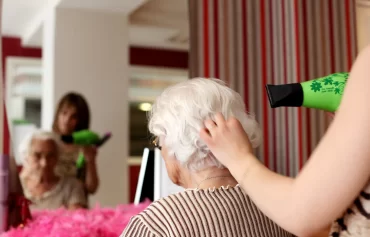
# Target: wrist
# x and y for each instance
(242, 168)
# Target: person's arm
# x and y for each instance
(323, 233)
(91, 179)
(336, 172)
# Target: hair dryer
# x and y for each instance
(85, 138)
(323, 93)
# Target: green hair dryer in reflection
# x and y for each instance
(83, 138)
(323, 93)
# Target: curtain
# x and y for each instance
(251, 43)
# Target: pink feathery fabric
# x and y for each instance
(96, 222)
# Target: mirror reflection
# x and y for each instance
(78, 94)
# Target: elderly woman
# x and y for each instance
(213, 204)
(40, 152)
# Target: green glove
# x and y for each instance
(323, 93)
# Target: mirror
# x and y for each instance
(119, 70)
(146, 83)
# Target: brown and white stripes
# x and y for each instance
(249, 43)
(204, 213)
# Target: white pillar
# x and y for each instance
(87, 52)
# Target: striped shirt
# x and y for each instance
(212, 212)
(356, 219)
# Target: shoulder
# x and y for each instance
(198, 212)
(195, 200)
(157, 219)
(193, 205)
(167, 208)
(138, 227)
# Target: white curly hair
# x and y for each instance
(179, 112)
(25, 146)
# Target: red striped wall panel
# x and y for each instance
(249, 43)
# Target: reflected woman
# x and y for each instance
(40, 153)
(73, 115)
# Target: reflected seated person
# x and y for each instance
(39, 153)
(213, 203)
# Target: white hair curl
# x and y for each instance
(179, 112)
(25, 146)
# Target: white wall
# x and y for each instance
(87, 52)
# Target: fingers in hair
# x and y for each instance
(220, 119)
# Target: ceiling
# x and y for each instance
(166, 19)
(153, 23)
(18, 14)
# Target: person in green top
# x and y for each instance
(72, 115)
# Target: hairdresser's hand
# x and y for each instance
(90, 153)
(228, 142)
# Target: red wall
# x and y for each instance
(11, 46)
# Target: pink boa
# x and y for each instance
(102, 222)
